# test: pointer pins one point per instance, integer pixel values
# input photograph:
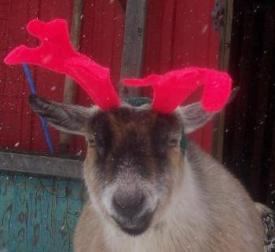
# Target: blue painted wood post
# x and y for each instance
(38, 214)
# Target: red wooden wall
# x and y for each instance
(179, 33)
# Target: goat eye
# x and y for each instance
(173, 142)
(91, 141)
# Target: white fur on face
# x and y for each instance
(184, 207)
(130, 182)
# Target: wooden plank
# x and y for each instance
(117, 45)
(264, 185)
(49, 84)
(244, 63)
(179, 34)
(153, 36)
(13, 89)
(6, 210)
(224, 56)
(38, 214)
(69, 86)
(42, 165)
(132, 59)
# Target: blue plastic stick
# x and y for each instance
(43, 121)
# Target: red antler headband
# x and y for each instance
(170, 90)
(57, 53)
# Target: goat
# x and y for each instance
(146, 192)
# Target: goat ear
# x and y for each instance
(68, 118)
(194, 117)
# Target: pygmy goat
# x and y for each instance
(147, 193)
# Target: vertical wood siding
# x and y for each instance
(250, 119)
(179, 33)
(19, 128)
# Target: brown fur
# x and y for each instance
(190, 201)
(221, 217)
(229, 220)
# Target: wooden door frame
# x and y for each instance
(224, 57)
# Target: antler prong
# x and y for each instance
(173, 88)
(56, 53)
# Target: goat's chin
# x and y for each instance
(133, 231)
(134, 228)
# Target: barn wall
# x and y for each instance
(20, 129)
(250, 120)
(179, 33)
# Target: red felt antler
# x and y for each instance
(172, 88)
(56, 53)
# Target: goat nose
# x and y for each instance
(128, 205)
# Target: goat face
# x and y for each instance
(134, 161)
(133, 157)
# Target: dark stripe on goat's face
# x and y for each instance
(132, 153)
(100, 138)
(131, 140)
(160, 137)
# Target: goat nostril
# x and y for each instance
(128, 205)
